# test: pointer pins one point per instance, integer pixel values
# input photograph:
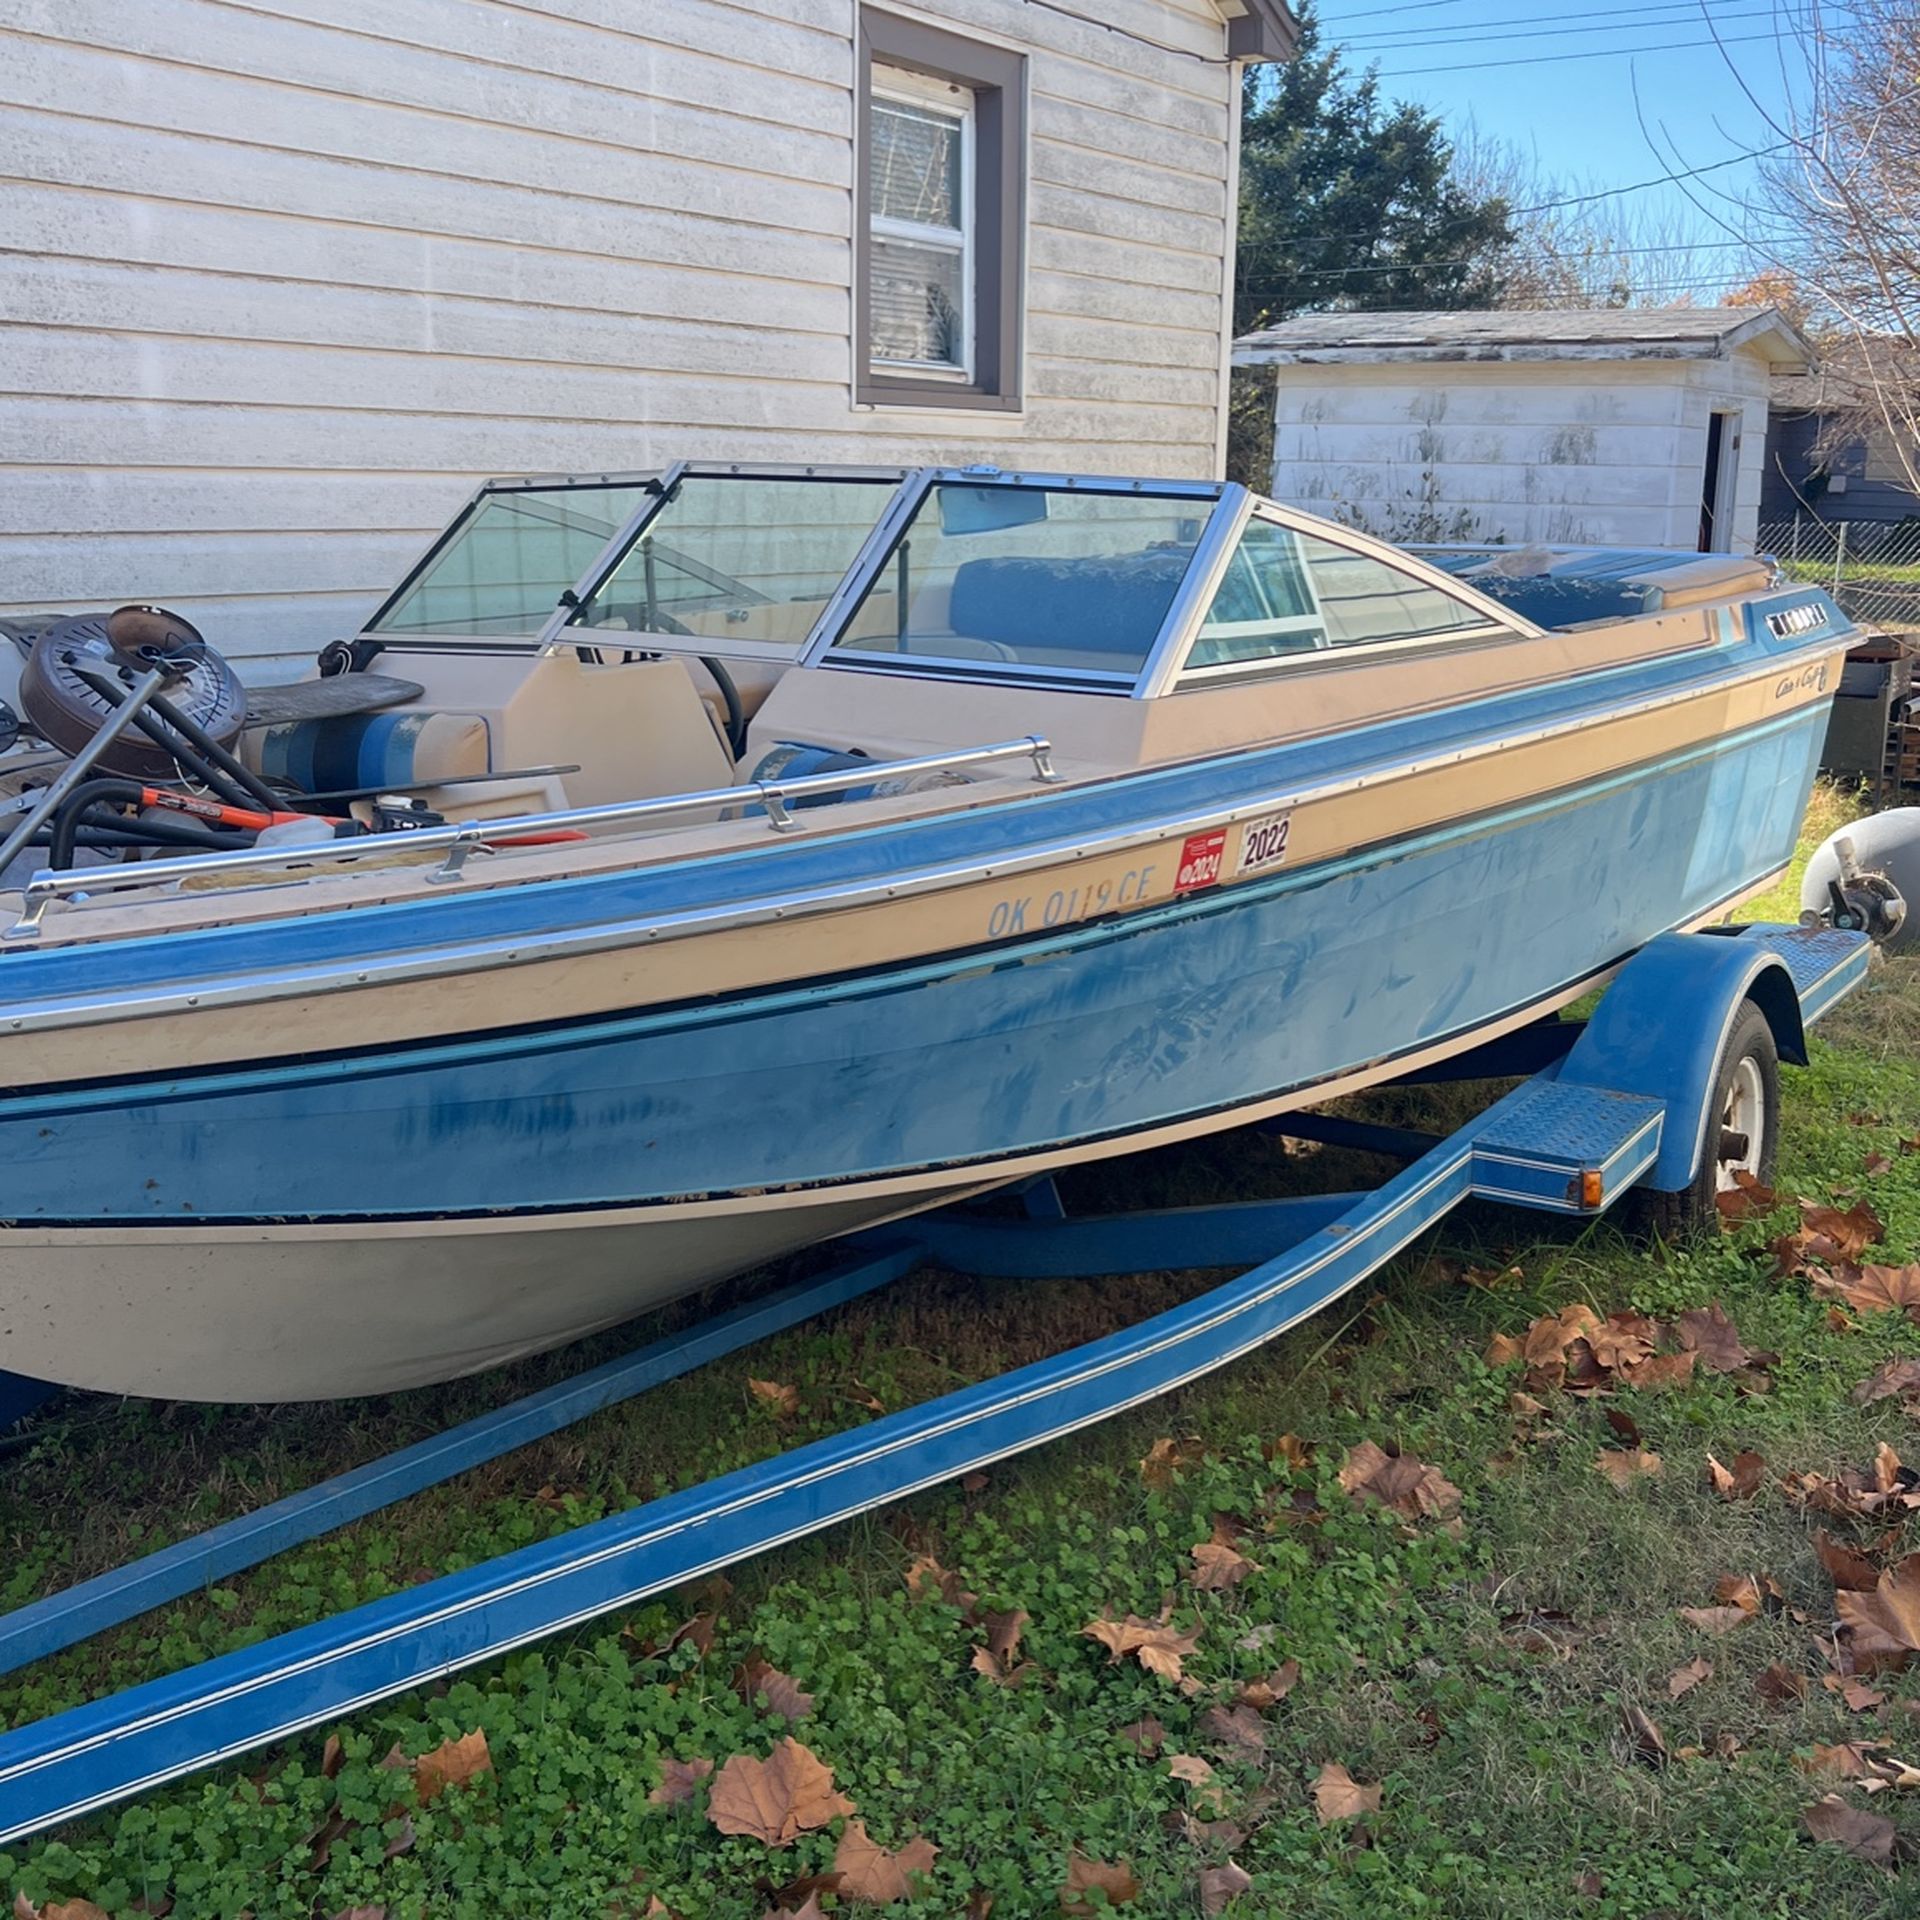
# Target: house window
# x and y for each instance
(938, 229)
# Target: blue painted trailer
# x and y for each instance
(1623, 1100)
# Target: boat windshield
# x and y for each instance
(501, 568)
(736, 563)
(1049, 582)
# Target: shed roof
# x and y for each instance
(1523, 333)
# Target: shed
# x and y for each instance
(1832, 447)
(1628, 427)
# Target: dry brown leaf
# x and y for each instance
(1220, 1886)
(1745, 1198)
(678, 1779)
(782, 1401)
(1849, 1568)
(813, 1910)
(1145, 1736)
(452, 1764)
(1891, 1378)
(1864, 1835)
(1504, 1349)
(1861, 1698)
(1337, 1795)
(1716, 1620)
(1297, 1453)
(1190, 1768)
(1620, 1342)
(1217, 1567)
(788, 1793)
(869, 1872)
(1683, 1680)
(1545, 1342)
(1399, 1480)
(1742, 1590)
(1662, 1372)
(1847, 1234)
(1780, 1688)
(1268, 1689)
(927, 1578)
(1166, 1459)
(1848, 1760)
(1643, 1731)
(1624, 1467)
(1086, 1876)
(1153, 1643)
(1742, 1480)
(1239, 1731)
(84, 1910)
(757, 1679)
(1708, 1332)
(1873, 1289)
(999, 1659)
(1884, 1624)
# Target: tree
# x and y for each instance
(1838, 210)
(1347, 200)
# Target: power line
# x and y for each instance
(1416, 39)
(1549, 59)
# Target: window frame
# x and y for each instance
(993, 219)
(1177, 676)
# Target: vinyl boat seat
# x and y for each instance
(1062, 608)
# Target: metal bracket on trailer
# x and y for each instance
(1553, 1143)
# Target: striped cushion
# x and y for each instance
(406, 749)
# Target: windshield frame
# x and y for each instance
(1222, 500)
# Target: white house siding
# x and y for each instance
(283, 279)
(1557, 451)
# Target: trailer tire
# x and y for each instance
(1743, 1136)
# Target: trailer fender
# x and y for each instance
(1659, 1029)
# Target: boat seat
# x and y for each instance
(1068, 606)
(406, 748)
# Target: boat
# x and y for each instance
(684, 869)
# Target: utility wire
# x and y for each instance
(1418, 40)
(1549, 59)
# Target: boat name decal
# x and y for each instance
(1264, 843)
(1020, 913)
(1789, 621)
(1200, 861)
(1811, 679)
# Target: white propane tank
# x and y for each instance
(1886, 843)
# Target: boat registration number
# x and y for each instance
(1200, 861)
(1264, 843)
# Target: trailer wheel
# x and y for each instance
(1743, 1135)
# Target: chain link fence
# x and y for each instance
(1871, 567)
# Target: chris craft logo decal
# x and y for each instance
(1264, 843)
(1200, 861)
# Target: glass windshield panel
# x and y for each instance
(1029, 577)
(506, 565)
(1286, 593)
(732, 558)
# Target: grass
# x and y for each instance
(1478, 1675)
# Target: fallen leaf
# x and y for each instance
(1190, 1768)
(1716, 1620)
(1617, 1345)
(1624, 1427)
(453, 1764)
(1663, 1372)
(1849, 1234)
(1337, 1795)
(1847, 1760)
(1292, 1449)
(869, 1872)
(1745, 1198)
(1503, 1350)
(788, 1793)
(1153, 1643)
(1708, 1332)
(1780, 1688)
(1238, 1730)
(783, 1402)
(86, 1910)
(1899, 1377)
(1643, 1730)
(1683, 1680)
(1221, 1886)
(1085, 1876)
(999, 1658)
(813, 1910)
(1217, 1567)
(678, 1779)
(1861, 1698)
(333, 1756)
(1884, 1624)
(1145, 1736)
(1742, 1590)
(927, 1578)
(1872, 1289)
(1167, 1459)
(757, 1679)
(1877, 1164)
(1545, 1342)
(1623, 1468)
(1399, 1480)
(1269, 1688)
(1742, 1480)
(1864, 1835)
(1849, 1569)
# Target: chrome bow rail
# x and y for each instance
(478, 836)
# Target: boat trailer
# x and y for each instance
(1626, 1097)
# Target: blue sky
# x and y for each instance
(1577, 115)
